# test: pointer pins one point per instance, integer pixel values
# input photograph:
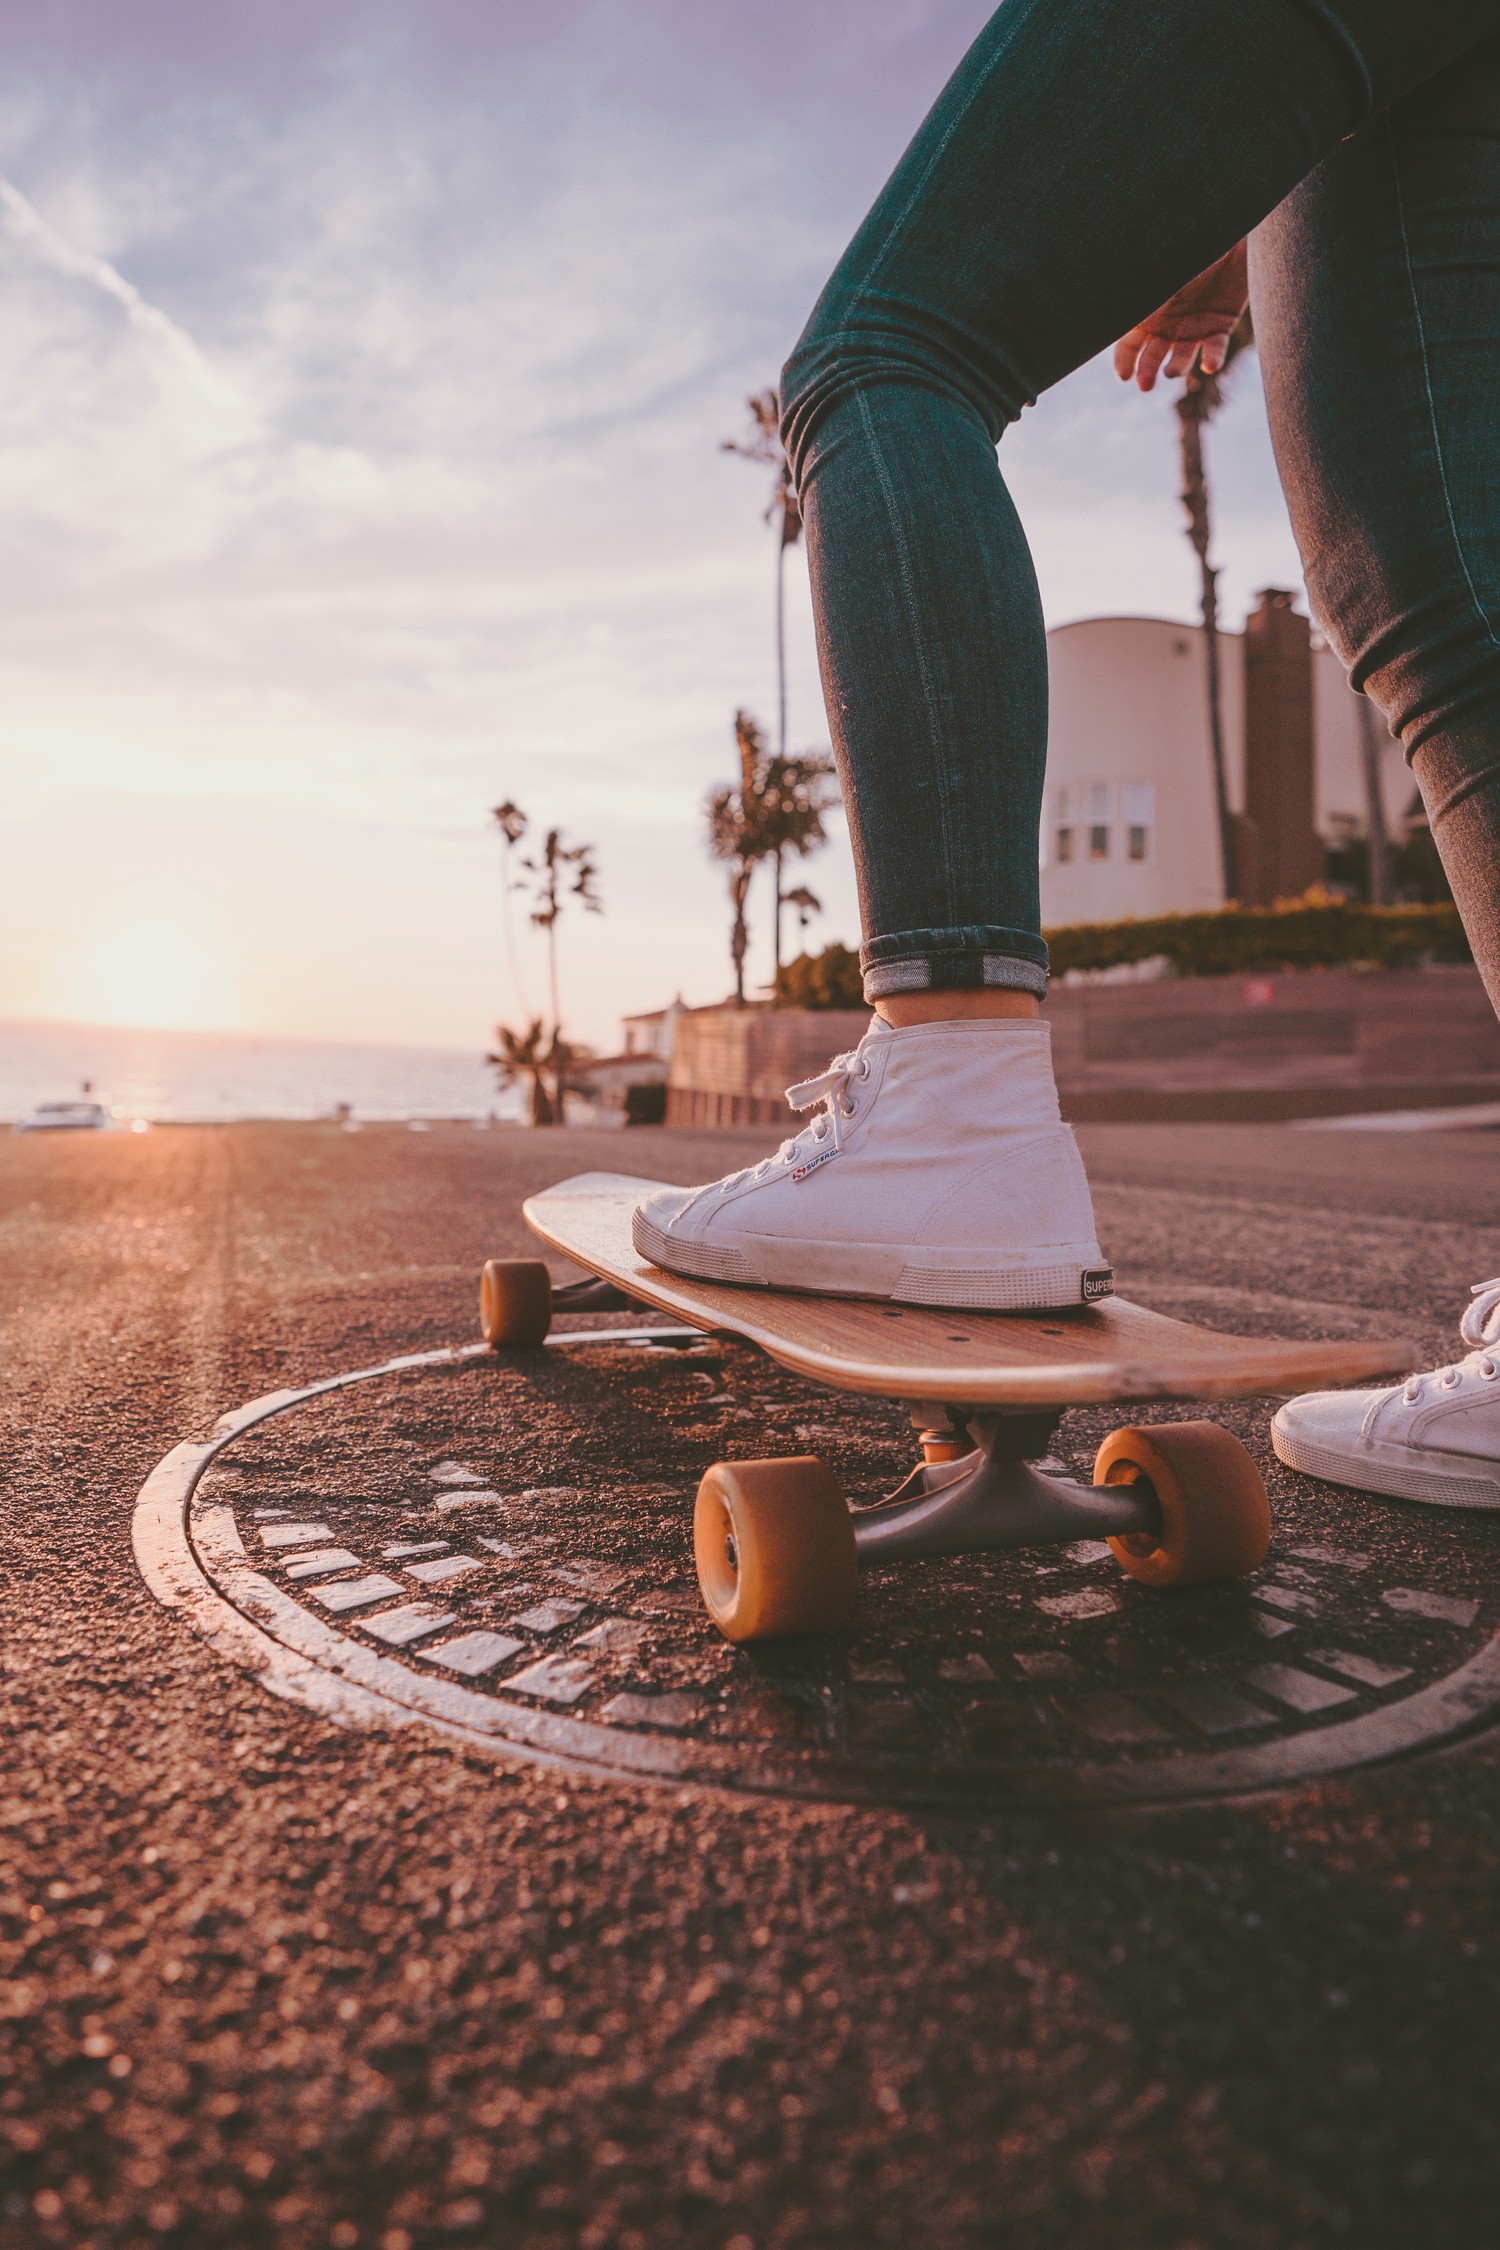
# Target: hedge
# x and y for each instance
(1311, 933)
(830, 979)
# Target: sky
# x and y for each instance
(363, 373)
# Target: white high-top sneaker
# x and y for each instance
(937, 1172)
(1435, 1437)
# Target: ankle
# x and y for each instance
(899, 1009)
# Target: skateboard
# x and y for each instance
(778, 1548)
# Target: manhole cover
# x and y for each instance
(501, 1546)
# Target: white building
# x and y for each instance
(1129, 825)
(653, 1033)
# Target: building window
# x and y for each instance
(1098, 840)
(1062, 808)
(1140, 818)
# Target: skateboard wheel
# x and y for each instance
(774, 1542)
(515, 1301)
(1215, 1520)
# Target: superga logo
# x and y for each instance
(1100, 1282)
(800, 1171)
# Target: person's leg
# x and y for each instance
(1087, 158)
(1376, 292)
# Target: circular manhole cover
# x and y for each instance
(501, 1545)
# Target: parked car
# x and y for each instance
(65, 1117)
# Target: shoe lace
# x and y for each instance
(1480, 1329)
(831, 1089)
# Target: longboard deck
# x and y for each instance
(1089, 1357)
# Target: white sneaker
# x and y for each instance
(938, 1172)
(1435, 1437)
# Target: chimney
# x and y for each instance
(1288, 857)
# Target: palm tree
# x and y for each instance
(541, 1049)
(551, 889)
(737, 833)
(777, 808)
(559, 1060)
(1202, 396)
(807, 904)
(525, 1055)
(795, 794)
(511, 822)
(762, 444)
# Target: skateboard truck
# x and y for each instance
(991, 1497)
(517, 1300)
(777, 1542)
(779, 1547)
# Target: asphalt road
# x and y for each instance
(263, 1981)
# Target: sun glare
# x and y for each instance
(152, 975)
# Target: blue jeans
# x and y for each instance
(1087, 158)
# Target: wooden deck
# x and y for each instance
(1111, 1352)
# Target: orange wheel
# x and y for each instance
(515, 1301)
(774, 1542)
(1215, 1521)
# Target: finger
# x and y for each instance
(1214, 352)
(1127, 351)
(1148, 366)
(1183, 357)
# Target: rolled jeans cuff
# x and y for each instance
(978, 955)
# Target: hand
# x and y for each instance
(1191, 329)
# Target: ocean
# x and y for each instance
(209, 1077)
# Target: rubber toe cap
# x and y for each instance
(665, 1206)
(1326, 1417)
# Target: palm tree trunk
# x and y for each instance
(739, 940)
(781, 547)
(518, 985)
(776, 948)
(552, 975)
(1197, 402)
(1227, 853)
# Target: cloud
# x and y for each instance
(28, 225)
(359, 465)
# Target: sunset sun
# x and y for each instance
(153, 974)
